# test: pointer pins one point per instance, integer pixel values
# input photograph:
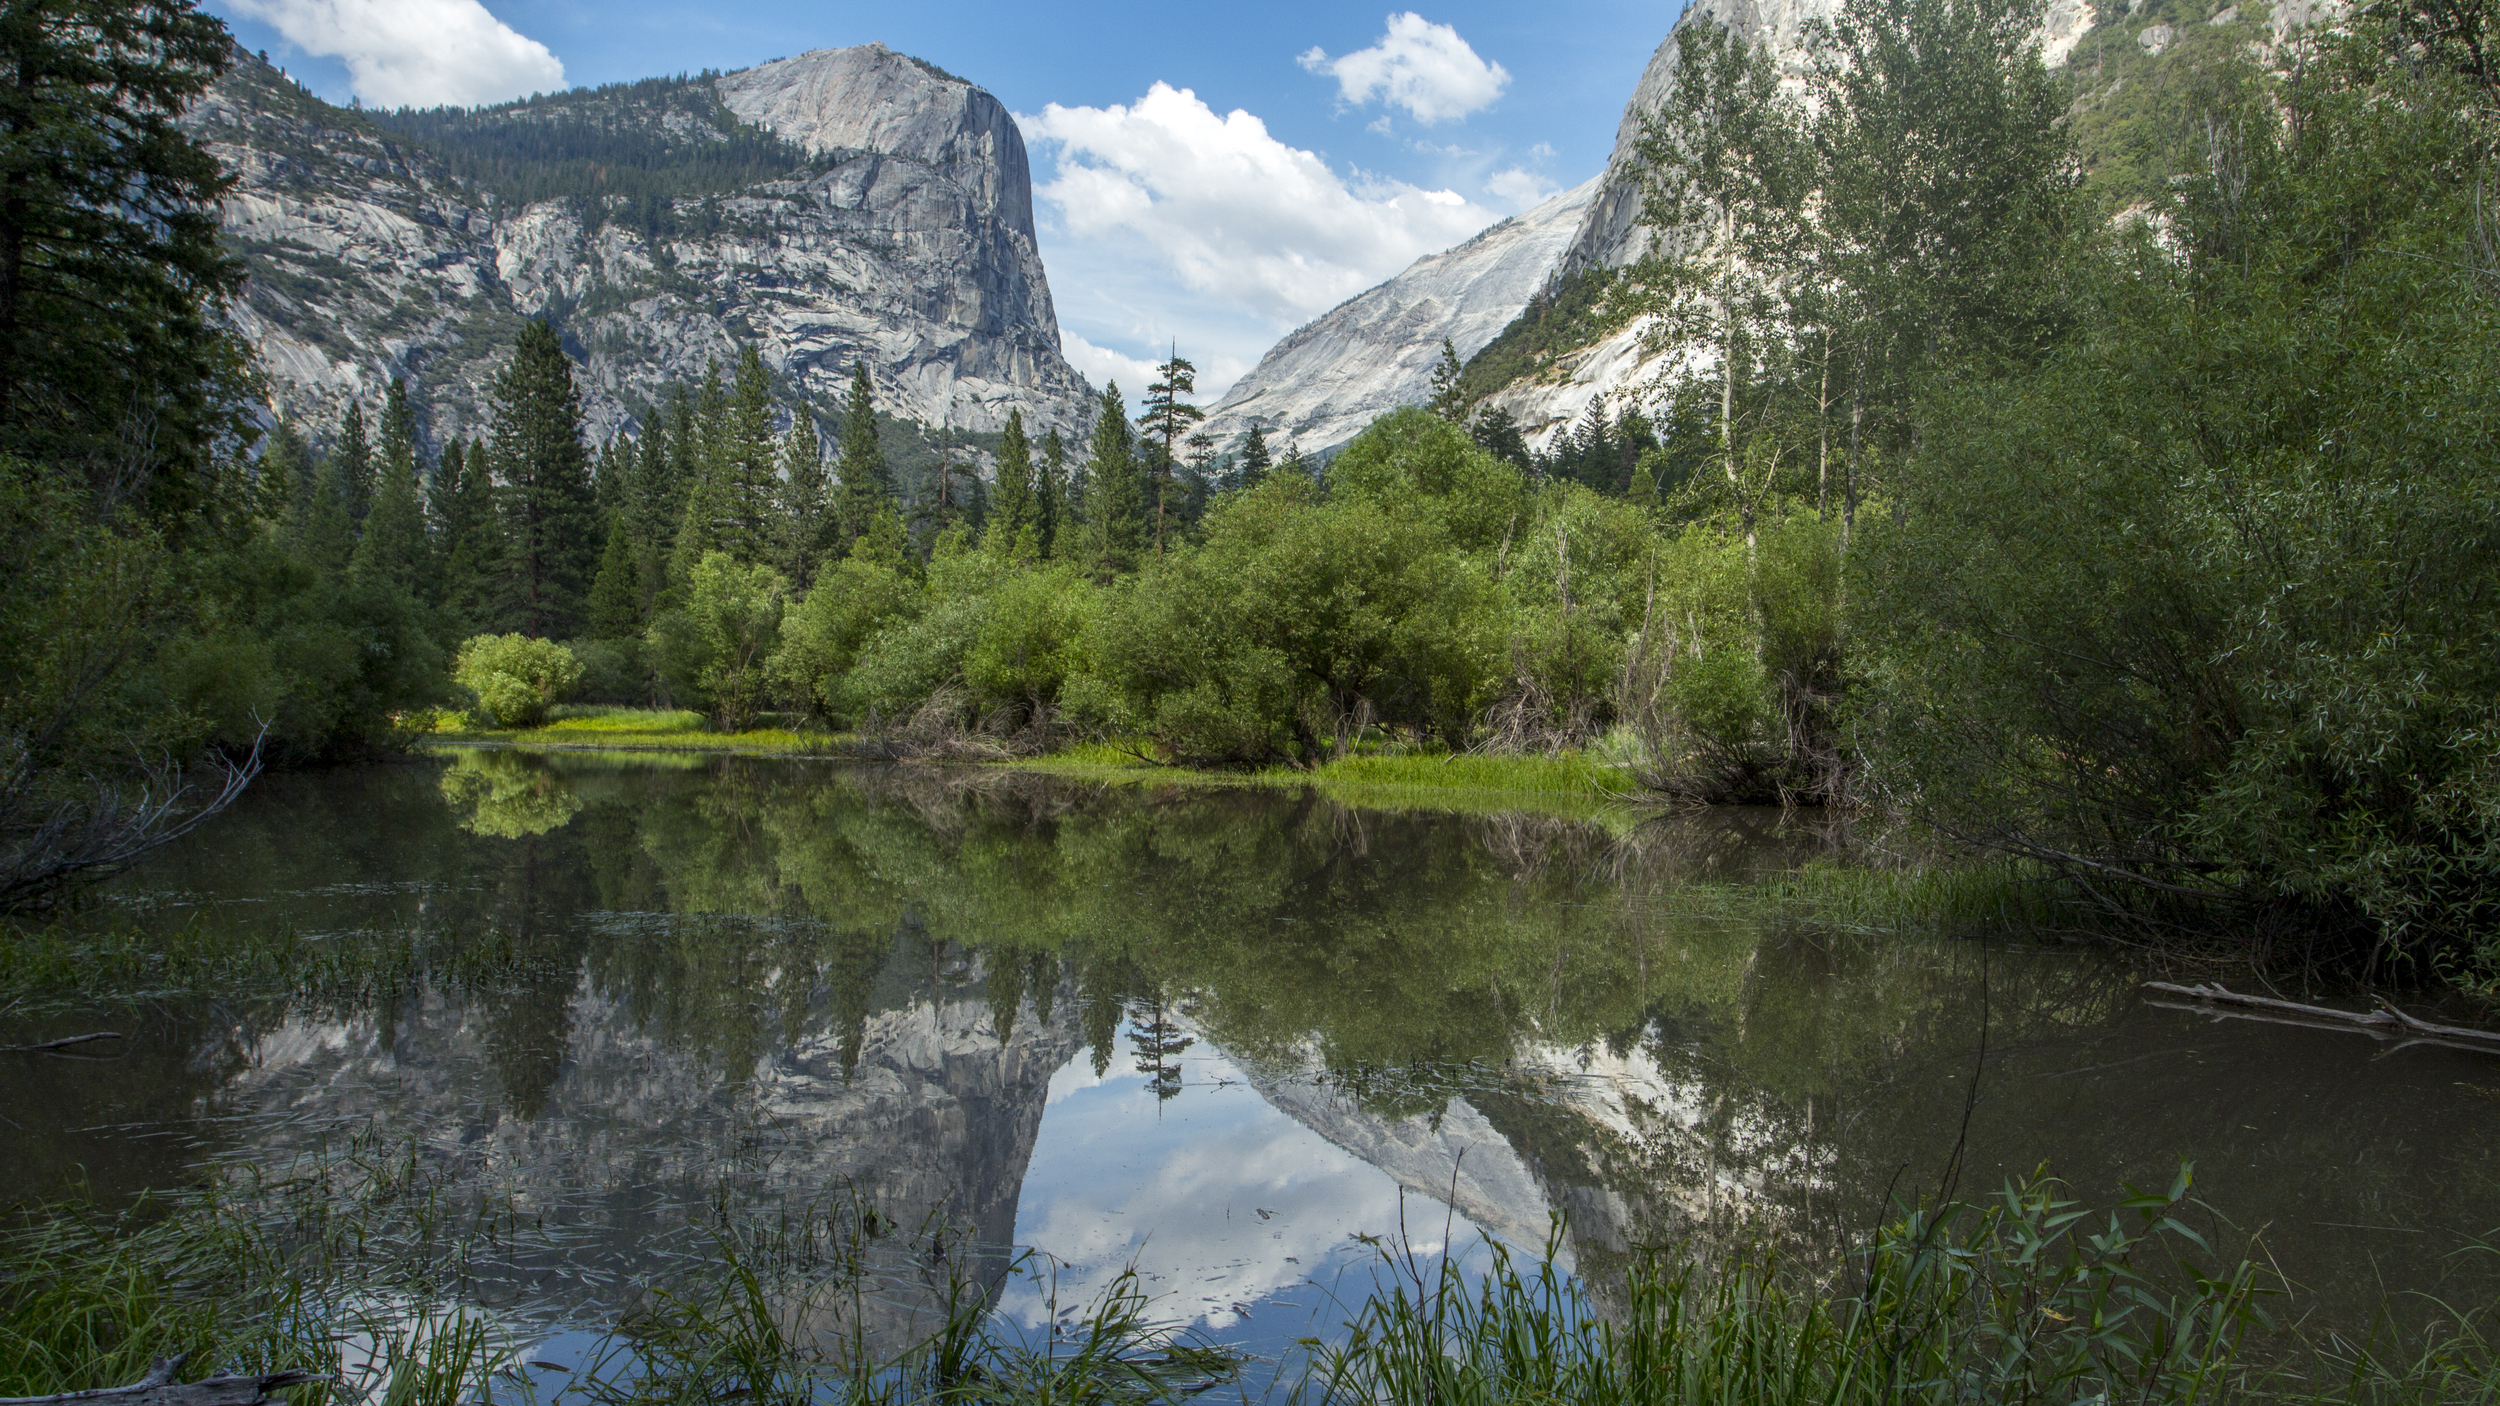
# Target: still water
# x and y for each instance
(1226, 1037)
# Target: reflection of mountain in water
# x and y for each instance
(1626, 1152)
(636, 1136)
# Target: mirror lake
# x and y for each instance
(1234, 1038)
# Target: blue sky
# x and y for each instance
(1202, 174)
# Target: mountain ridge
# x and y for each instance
(400, 245)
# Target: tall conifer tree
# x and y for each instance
(1052, 511)
(551, 525)
(392, 550)
(354, 452)
(653, 508)
(807, 527)
(1014, 532)
(1255, 459)
(616, 597)
(1115, 526)
(748, 458)
(1164, 425)
(867, 485)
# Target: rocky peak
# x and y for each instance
(832, 102)
(883, 213)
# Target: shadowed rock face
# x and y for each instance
(620, 1160)
(906, 237)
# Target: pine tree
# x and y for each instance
(652, 510)
(611, 481)
(698, 535)
(616, 592)
(1115, 528)
(392, 550)
(884, 543)
(808, 530)
(1050, 495)
(1014, 534)
(393, 547)
(325, 536)
(354, 452)
(867, 486)
(1165, 423)
(399, 432)
(685, 453)
(1255, 460)
(748, 454)
(286, 478)
(468, 537)
(1294, 465)
(550, 522)
(1448, 401)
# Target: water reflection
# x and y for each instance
(1214, 1033)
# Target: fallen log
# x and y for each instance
(158, 1388)
(2385, 1023)
(45, 1046)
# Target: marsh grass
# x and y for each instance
(2025, 1299)
(360, 1265)
(575, 728)
(1967, 897)
(121, 965)
(357, 1266)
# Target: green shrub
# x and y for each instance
(516, 678)
(612, 672)
(718, 650)
(824, 634)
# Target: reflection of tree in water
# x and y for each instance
(1158, 1045)
(507, 795)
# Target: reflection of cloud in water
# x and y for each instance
(1216, 1197)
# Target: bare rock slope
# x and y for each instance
(892, 219)
(1375, 352)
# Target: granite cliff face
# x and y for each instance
(1375, 352)
(889, 216)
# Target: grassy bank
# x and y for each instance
(1572, 782)
(642, 730)
(356, 1267)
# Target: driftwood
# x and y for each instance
(2385, 1023)
(43, 1046)
(158, 1388)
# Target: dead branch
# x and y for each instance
(2385, 1023)
(158, 1388)
(43, 1046)
(45, 849)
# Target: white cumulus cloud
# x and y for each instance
(1518, 187)
(1102, 365)
(1166, 188)
(415, 53)
(1423, 67)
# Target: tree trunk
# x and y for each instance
(1823, 437)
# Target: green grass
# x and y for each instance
(577, 728)
(2024, 1298)
(1571, 783)
(41, 967)
(1574, 783)
(1965, 897)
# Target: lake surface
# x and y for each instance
(1217, 1035)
